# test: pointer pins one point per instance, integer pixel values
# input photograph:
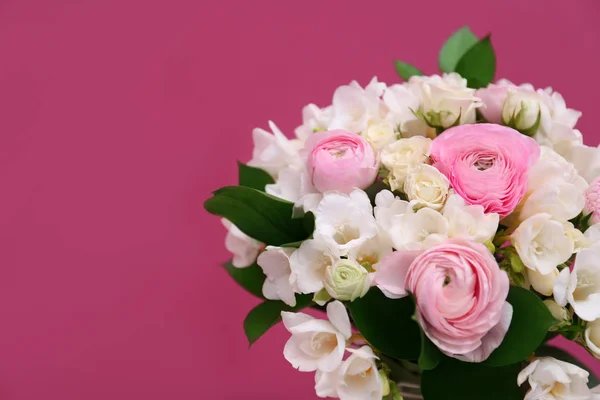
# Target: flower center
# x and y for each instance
(345, 233)
(586, 286)
(484, 163)
(324, 342)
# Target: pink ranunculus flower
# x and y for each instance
(592, 200)
(486, 164)
(460, 293)
(340, 160)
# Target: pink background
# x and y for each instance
(118, 118)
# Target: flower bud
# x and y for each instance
(558, 313)
(346, 280)
(427, 186)
(522, 111)
(379, 134)
(543, 284)
(592, 337)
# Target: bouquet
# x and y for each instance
(447, 226)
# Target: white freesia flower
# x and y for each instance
(344, 222)
(445, 100)
(542, 243)
(387, 206)
(523, 109)
(400, 156)
(356, 379)
(426, 186)
(543, 284)
(586, 159)
(592, 235)
(347, 280)
(581, 286)
(592, 337)
(317, 344)
(562, 121)
(243, 247)
(294, 185)
(401, 101)
(275, 263)
(370, 253)
(379, 134)
(274, 152)
(580, 241)
(552, 379)
(314, 119)
(558, 313)
(469, 221)
(354, 107)
(418, 230)
(308, 265)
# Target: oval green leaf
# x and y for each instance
(252, 177)
(259, 215)
(406, 70)
(528, 328)
(387, 324)
(250, 278)
(453, 379)
(478, 64)
(455, 47)
(265, 315)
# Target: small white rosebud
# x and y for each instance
(379, 134)
(427, 186)
(558, 313)
(522, 111)
(542, 283)
(592, 337)
(347, 280)
(401, 155)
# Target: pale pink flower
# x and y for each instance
(592, 200)
(340, 160)
(486, 164)
(460, 293)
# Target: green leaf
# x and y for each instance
(267, 314)
(387, 324)
(550, 351)
(455, 47)
(430, 355)
(259, 215)
(406, 70)
(456, 380)
(478, 64)
(528, 328)
(250, 278)
(252, 177)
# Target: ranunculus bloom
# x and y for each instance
(340, 160)
(486, 164)
(460, 293)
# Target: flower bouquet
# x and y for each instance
(446, 227)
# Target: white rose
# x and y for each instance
(308, 265)
(542, 243)
(552, 379)
(524, 111)
(275, 263)
(243, 247)
(425, 185)
(558, 313)
(354, 107)
(581, 286)
(357, 378)
(379, 134)
(592, 337)
(469, 221)
(344, 222)
(418, 230)
(274, 152)
(403, 154)
(542, 283)
(317, 344)
(347, 280)
(445, 100)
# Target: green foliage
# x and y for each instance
(387, 324)
(528, 328)
(430, 355)
(259, 215)
(252, 177)
(250, 278)
(478, 64)
(455, 47)
(456, 380)
(406, 70)
(267, 314)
